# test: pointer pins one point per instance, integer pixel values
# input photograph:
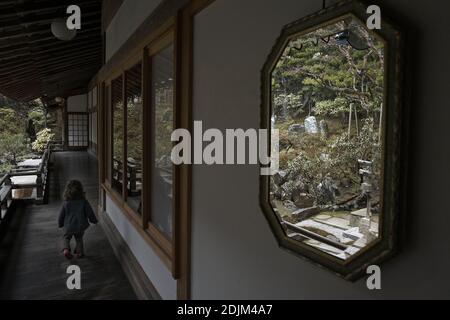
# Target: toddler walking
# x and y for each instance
(75, 215)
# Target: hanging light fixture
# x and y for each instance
(60, 30)
(350, 38)
(342, 38)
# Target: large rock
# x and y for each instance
(297, 128)
(290, 188)
(302, 200)
(324, 157)
(279, 177)
(327, 191)
(311, 126)
(306, 213)
(357, 202)
(289, 205)
(323, 126)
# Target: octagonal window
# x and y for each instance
(327, 93)
(332, 89)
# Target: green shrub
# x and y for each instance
(43, 137)
(12, 147)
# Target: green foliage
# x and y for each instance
(12, 138)
(331, 107)
(43, 137)
(134, 128)
(344, 152)
(10, 121)
(289, 102)
(330, 75)
(336, 159)
(118, 131)
(319, 76)
(4, 168)
(12, 147)
(38, 117)
(163, 123)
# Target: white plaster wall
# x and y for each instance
(77, 103)
(127, 19)
(234, 254)
(155, 269)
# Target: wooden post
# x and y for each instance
(39, 189)
(8, 180)
(132, 170)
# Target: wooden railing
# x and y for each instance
(41, 174)
(40, 184)
(56, 146)
(5, 198)
(134, 175)
(314, 236)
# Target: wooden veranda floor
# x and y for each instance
(31, 265)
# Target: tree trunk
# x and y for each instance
(350, 120)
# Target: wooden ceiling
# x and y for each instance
(33, 63)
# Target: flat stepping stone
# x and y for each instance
(30, 163)
(322, 217)
(23, 180)
(330, 230)
(340, 223)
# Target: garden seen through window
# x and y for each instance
(162, 93)
(327, 102)
(117, 134)
(134, 137)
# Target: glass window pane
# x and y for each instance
(329, 113)
(117, 134)
(108, 136)
(162, 67)
(134, 137)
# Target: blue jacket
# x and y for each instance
(75, 216)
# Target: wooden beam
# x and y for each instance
(42, 56)
(36, 20)
(28, 40)
(38, 30)
(42, 7)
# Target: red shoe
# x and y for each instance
(67, 254)
(80, 256)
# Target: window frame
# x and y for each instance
(163, 247)
(164, 41)
(133, 63)
(387, 243)
(77, 148)
(111, 141)
(93, 110)
(181, 19)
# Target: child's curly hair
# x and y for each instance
(74, 191)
